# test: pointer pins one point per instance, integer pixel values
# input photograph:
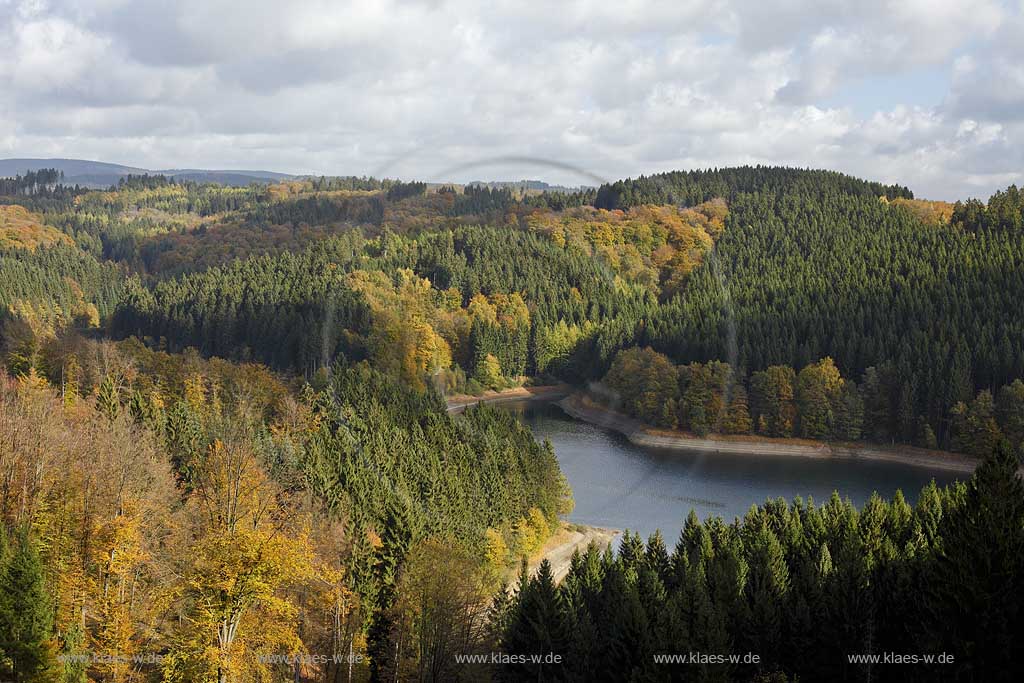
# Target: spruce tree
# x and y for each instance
(26, 616)
(625, 644)
(766, 589)
(705, 624)
(540, 626)
(656, 556)
(695, 540)
(973, 584)
(727, 578)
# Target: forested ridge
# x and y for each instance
(693, 187)
(927, 315)
(224, 433)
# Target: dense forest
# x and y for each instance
(815, 403)
(816, 592)
(223, 433)
(154, 503)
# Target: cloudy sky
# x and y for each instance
(929, 93)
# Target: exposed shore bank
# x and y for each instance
(459, 402)
(571, 537)
(582, 407)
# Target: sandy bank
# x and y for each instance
(571, 537)
(459, 402)
(580, 406)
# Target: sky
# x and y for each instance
(926, 93)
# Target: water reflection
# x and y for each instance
(619, 485)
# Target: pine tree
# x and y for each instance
(877, 405)
(695, 540)
(395, 544)
(631, 551)
(705, 624)
(727, 579)
(108, 397)
(850, 609)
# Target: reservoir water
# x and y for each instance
(619, 485)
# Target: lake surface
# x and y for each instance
(619, 485)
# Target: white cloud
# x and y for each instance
(413, 88)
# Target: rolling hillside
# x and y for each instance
(101, 175)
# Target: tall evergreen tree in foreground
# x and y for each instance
(26, 617)
(816, 592)
(973, 586)
(539, 626)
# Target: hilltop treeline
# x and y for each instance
(1003, 212)
(797, 277)
(690, 188)
(33, 182)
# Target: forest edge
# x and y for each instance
(582, 406)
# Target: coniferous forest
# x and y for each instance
(225, 446)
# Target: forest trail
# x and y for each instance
(459, 402)
(559, 548)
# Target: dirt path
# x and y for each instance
(459, 402)
(560, 547)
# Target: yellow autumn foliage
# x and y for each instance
(656, 247)
(930, 212)
(24, 229)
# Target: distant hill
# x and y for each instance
(524, 185)
(100, 174)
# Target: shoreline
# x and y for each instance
(559, 548)
(580, 406)
(548, 392)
